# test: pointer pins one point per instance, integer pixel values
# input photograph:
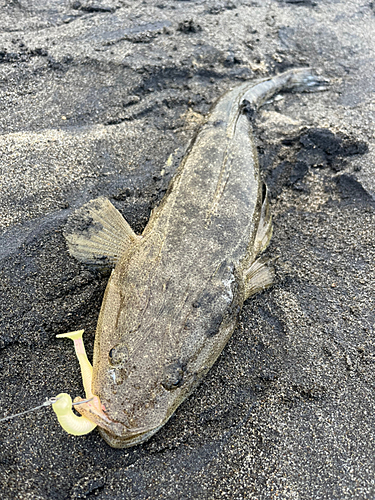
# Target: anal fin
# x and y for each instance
(261, 272)
(98, 234)
(264, 232)
(259, 276)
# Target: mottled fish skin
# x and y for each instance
(173, 299)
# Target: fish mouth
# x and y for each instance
(129, 439)
(113, 432)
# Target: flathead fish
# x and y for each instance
(174, 295)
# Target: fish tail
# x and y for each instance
(294, 80)
(301, 80)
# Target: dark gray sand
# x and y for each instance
(94, 98)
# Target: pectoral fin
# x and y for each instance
(98, 234)
(259, 276)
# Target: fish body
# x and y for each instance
(174, 295)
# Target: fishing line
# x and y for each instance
(48, 402)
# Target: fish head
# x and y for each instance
(152, 350)
(138, 392)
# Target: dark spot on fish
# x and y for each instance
(196, 304)
(173, 375)
(120, 375)
(190, 210)
(214, 326)
(248, 109)
(218, 123)
(119, 354)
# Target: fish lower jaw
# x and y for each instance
(115, 433)
(127, 440)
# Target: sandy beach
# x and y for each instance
(94, 99)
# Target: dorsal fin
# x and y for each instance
(98, 234)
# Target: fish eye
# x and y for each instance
(173, 376)
(119, 354)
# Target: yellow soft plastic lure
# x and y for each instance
(71, 423)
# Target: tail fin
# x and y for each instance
(294, 80)
(303, 80)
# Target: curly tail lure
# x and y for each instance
(62, 403)
(71, 423)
